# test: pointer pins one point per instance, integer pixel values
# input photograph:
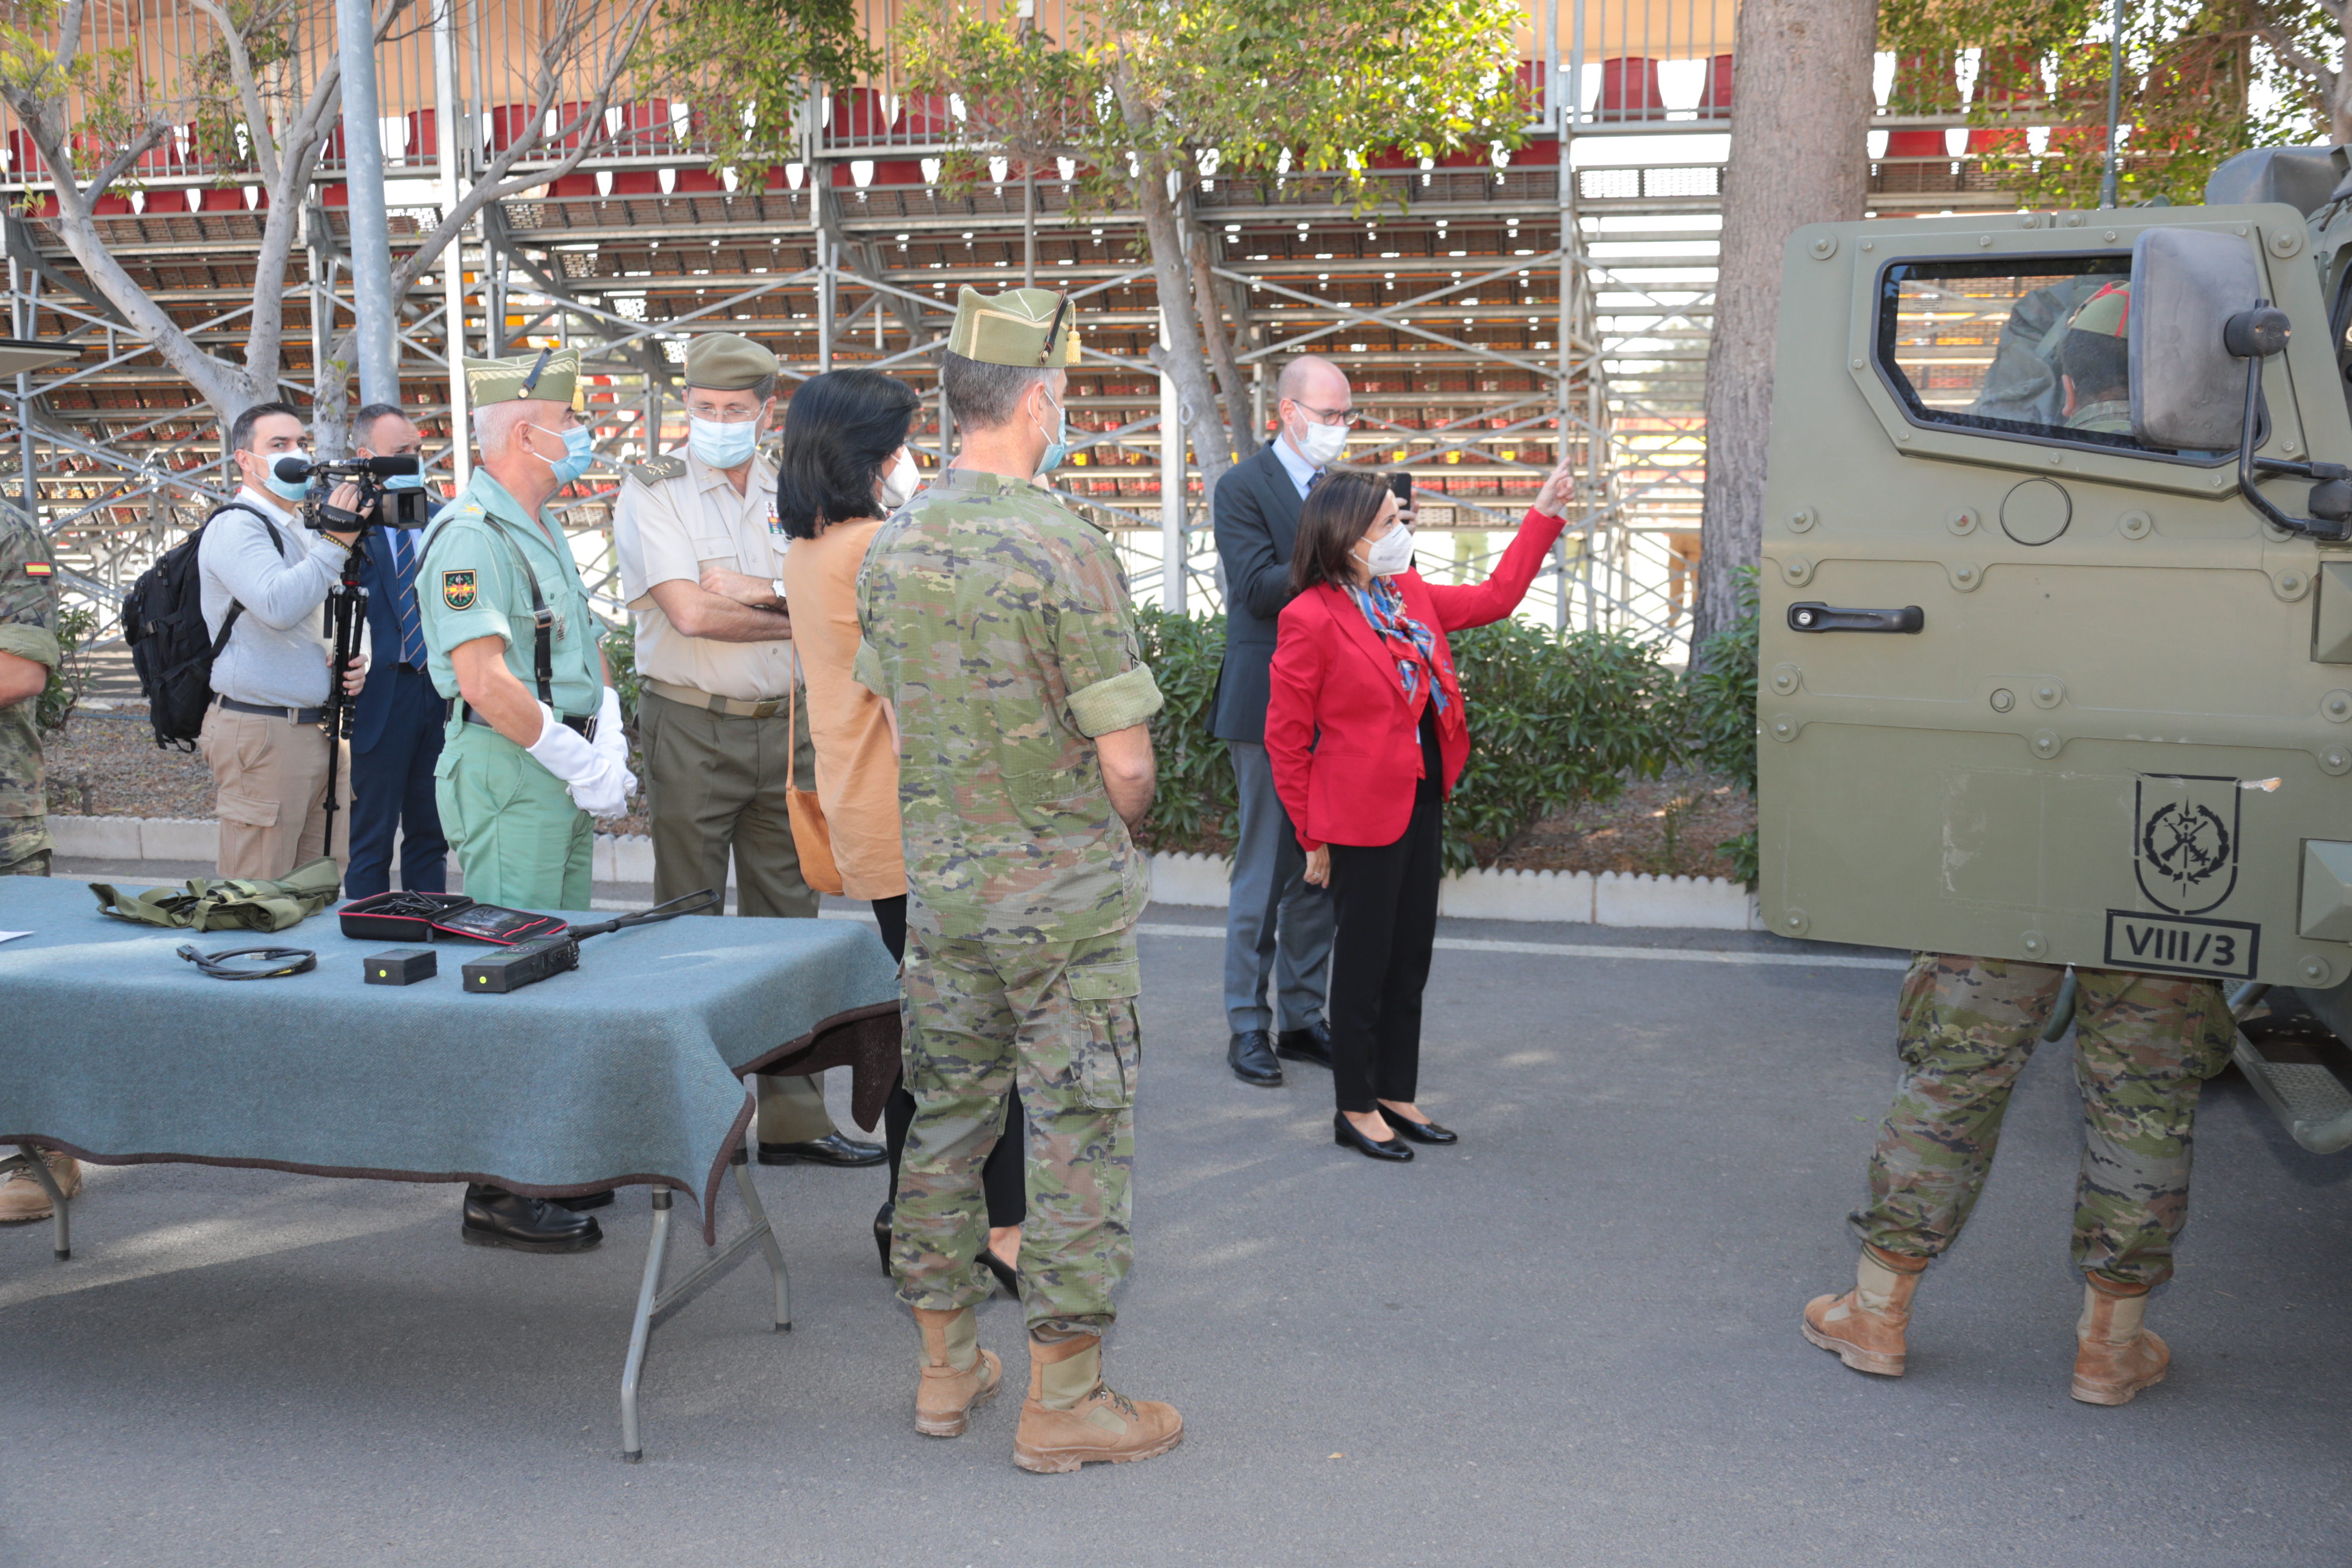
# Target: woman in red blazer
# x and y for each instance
(1367, 735)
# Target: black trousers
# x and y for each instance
(1003, 1176)
(1386, 898)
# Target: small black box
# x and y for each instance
(524, 964)
(401, 966)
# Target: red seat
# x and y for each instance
(1923, 85)
(2004, 78)
(1629, 89)
(1715, 99)
(859, 114)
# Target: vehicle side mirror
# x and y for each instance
(2187, 380)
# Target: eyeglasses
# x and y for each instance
(1346, 418)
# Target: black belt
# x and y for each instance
(585, 728)
(292, 715)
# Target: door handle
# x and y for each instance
(1909, 620)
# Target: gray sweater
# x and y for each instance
(276, 653)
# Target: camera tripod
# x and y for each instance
(345, 618)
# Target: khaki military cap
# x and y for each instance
(548, 375)
(1027, 327)
(2106, 313)
(722, 361)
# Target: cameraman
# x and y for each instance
(396, 726)
(262, 737)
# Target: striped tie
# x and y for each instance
(404, 593)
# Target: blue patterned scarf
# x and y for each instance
(1383, 608)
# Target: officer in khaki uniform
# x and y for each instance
(998, 625)
(533, 750)
(715, 708)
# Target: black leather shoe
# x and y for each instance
(1419, 1132)
(1344, 1133)
(882, 1218)
(1311, 1044)
(497, 1217)
(832, 1149)
(586, 1200)
(1251, 1056)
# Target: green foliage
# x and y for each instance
(1194, 810)
(1555, 718)
(75, 623)
(1240, 89)
(747, 66)
(1719, 695)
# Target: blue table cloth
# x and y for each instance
(625, 1070)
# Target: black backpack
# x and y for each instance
(164, 625)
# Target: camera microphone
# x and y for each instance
(294, 470)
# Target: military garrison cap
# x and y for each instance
(1031, 327)
(2105, 314)
(548, 375)
(723, 362)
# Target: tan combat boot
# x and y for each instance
(957, 1374)
(23, 1198)
(1865, 1325)
(1072, 1417)
(2116, 1356)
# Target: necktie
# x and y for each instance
(404, 598)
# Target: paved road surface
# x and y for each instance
(1572, 1341)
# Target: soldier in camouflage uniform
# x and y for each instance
(2144, 1045)
(28, 651)
(997, 625)
(2094, 366)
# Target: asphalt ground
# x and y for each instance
(1572, 1339)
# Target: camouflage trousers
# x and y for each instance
(2144, 1046)
(1055, 1021)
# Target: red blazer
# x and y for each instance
(1343, 739)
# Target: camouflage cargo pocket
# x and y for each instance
(1111, 1053)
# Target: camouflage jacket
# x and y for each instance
(28, 619)
(997, 624)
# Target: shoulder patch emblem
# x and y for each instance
(39, 569)
(458, 590)
(654, 471)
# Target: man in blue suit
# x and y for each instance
(396, 728)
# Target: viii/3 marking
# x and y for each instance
(2223, 949)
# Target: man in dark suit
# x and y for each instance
(396, 727)
(1275, 925)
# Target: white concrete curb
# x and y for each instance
(1573, 898)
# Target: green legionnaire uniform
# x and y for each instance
(998, 625)
(489, 569)
(722, 737)
(28, 622)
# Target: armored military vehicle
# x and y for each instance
(2057, 658)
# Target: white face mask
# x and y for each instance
(1391, 553)
(899, 480)
(1321, 444)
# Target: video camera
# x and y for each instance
(378, 503)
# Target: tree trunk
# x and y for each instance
(1221, 348)
(1799, 110)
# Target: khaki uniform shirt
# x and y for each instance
(997, 622)
(674, 516)
(469, 587)
(28, 620)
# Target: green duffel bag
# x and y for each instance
(225, 904)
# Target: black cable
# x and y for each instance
(303, 960)
(695, 903)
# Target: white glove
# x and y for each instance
(594, 781)
(613, 740)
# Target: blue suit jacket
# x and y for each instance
(384, 638)
(1256, 511)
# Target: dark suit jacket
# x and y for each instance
(383, 640)
(1256, 511)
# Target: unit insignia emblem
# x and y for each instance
(2185, 841)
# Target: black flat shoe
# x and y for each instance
(1311, 1044)
(832, 1149)
(1006, 1275)
(882, 1218)
(1344, 1133)
(1419, 1132)
(1251, 1056)
(495, 1217)
(586, 1200)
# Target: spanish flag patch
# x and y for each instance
(39, 569)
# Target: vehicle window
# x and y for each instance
(2339, 329)
(2037, 350)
